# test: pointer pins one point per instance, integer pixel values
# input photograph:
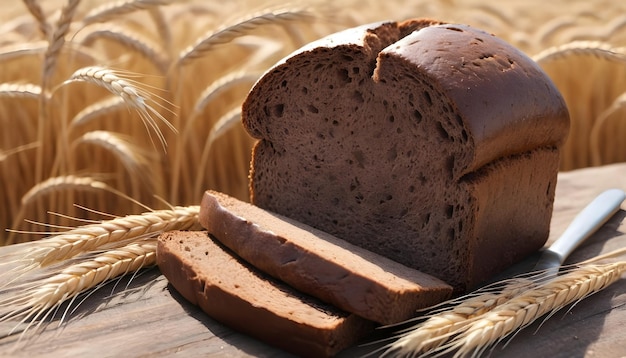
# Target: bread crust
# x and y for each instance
(507, 104)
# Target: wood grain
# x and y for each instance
(146, 317)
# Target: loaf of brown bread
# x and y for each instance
(314, 262)
(436, 145)
(232, 292)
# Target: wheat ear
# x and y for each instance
(116, 9)
(124, 149)
(239, 28)
(19, 90)
(525, 308)
(581, 48)
(37, 299)
(97, 109)
(108, 233)
(130, 39)
(441, 325)
(131, 91)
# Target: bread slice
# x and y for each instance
(319, 264)
(233, 293)
(436, 145)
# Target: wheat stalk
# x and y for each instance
(36, 299)
(225, 123)
(4, 154)
(35, 9)
(512, 314)
(57, 40)
(51, 56)
(596, 141)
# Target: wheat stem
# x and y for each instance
(35, 9)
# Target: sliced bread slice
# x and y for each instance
(232, 292)
(319, 264)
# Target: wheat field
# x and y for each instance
(116, 107)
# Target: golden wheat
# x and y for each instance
(442, 325)
(221, 85)
(134, 96)
(136, 37)
(130, 39)
(596, 49)
(62, 183)
(240, 28)
(226, 122)
(533, 304)
(35, 300)
(473, 336)
(35, 9)
(57, 39)
(28, 60)
(134, 159)
(4, 154)
(54, 186)
(98, 109)
(587, 95)
(110, 233)
(112, 10)
(20, 90)
(604, 147)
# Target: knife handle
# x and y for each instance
(594, 215)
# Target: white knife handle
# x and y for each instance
(594, 215)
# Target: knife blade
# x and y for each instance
(587, 222)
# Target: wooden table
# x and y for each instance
(151, 319)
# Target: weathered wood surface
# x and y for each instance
(150, 319)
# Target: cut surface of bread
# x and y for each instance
(436, 145)
(232, 292)
(314, 262)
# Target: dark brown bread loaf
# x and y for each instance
(232, 292)
(436, 145)
(319, 264)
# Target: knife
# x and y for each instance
(588, 221)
